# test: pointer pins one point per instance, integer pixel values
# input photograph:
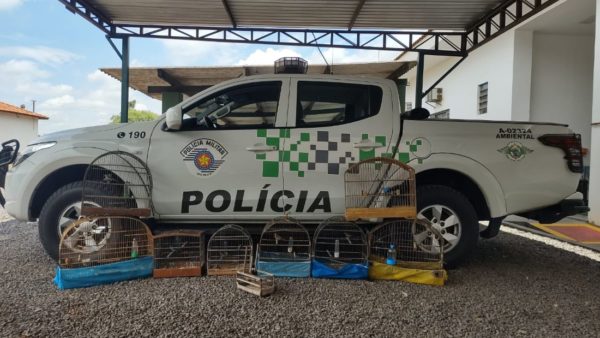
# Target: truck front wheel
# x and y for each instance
(451, 213)
(60, 210)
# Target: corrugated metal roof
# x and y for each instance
(143, 78)
(388, 14)
(9, 108)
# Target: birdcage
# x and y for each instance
(380, 188)
(103, 250)
(178, 254)
(117, 184)
(340, 250)
(229, 250)
(284, 249)
(409, 250)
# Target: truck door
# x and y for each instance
(332, 124)
(209, 170)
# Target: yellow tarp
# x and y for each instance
(382, 271)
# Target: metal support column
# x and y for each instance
(125, 79)
(419, 86)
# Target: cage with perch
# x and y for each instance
(103, 250)
(229, 250)
(179, 254)
(340, 250)
(117, 184)
(284, 249)
(409, 250)
(380, 188)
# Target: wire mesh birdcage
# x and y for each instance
(117, 184)
(340, 250)
(102, 240)
(284, 249)
(229, 250)
(407, 249)
(179, 254)
(103, 250)
(380, 188)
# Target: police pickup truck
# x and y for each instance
(251, 149)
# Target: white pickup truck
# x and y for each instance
(251, 149)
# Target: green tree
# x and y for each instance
(135, 115)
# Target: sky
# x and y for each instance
(52, 56)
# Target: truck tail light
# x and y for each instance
(571, 145)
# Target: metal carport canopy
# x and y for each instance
(433, 27)
(393, 14)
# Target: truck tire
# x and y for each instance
(58, 207)
(441, 204)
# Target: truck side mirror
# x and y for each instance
(174, 116)
(416, 114)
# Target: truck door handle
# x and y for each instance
(261, 148)
(367, 144)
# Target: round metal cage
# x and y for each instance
(117, 184)
(229, 250)
(338, 242)
(284, 249)
(380, 188)
(179, 254)
(96, 241)
(406, 242)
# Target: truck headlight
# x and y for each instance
(31, 149)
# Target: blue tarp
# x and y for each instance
(104, 274)
(283, 264)
(347, 271)
(284, 269)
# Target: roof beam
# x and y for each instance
(88, 12)
(229, 13)
(405, 67)
(502, 18)
(168, 78)
(356, 13)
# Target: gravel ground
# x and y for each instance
(513, 287)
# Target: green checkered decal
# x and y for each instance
(315, 151)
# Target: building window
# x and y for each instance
(482, 98)
(442, 115)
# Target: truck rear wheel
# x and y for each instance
(451, 213)
(60, 210)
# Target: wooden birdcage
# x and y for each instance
(90, 242)
(117, 184)
(257, 285)
(380, 188)
(410, 250)
(229, 250)
(179, 254)
(340, 250)
(284, 249)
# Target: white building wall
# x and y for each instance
(22, 128)
(492, 63)
(522, 69)
(562, 83)
(594, 215)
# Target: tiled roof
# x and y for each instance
(9, 108)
